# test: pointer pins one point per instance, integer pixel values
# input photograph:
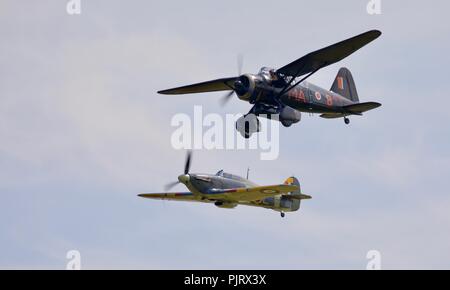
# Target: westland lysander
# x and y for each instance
(281, 92)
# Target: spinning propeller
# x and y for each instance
(182, 178)
(238, 85)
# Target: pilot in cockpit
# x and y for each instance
(276, 80)
(269, 75)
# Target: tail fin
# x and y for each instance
(294, 181)
(344, 85)
(295, 196)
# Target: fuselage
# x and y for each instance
(307, 97)
(207, 184)
(265, 87)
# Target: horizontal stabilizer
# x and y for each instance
(333, 115)
(355, 109)
(297, 197)
(362, 107)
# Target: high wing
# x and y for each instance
(250, 193)
(355, 109)
(224, 84)
(328, 55)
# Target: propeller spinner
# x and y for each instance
(184, 178)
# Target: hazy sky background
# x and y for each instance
(82, 131)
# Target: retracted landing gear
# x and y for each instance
(346, 120)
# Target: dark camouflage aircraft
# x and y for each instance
(280, 92)
(228, 191)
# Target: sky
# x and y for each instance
(83, 131)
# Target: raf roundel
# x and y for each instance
(269, 191)
(318, 96)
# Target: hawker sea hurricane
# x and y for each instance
(228, 191)
(283, 93)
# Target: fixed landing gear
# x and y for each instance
(286, 124)
(346, 120)
(282, 214)
(247, 125)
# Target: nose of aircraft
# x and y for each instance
(184, 178)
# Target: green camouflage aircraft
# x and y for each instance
(228, 191)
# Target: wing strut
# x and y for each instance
(287, 88)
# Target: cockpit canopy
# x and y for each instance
(267, 73)
(223, 174)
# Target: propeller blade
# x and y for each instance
(226, 98)
(240, 63)
(170, 185)
(188, 162)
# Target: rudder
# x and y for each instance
(294, 181)
(296, 201)
(344, 85)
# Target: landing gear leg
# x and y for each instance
(247, 125)
(282, 214)
(346, 120)
(247, 133)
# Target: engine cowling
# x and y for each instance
(245, 87)
(289, 116)
(224, 204)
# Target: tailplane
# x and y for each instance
(295, 196)
(344, 85)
